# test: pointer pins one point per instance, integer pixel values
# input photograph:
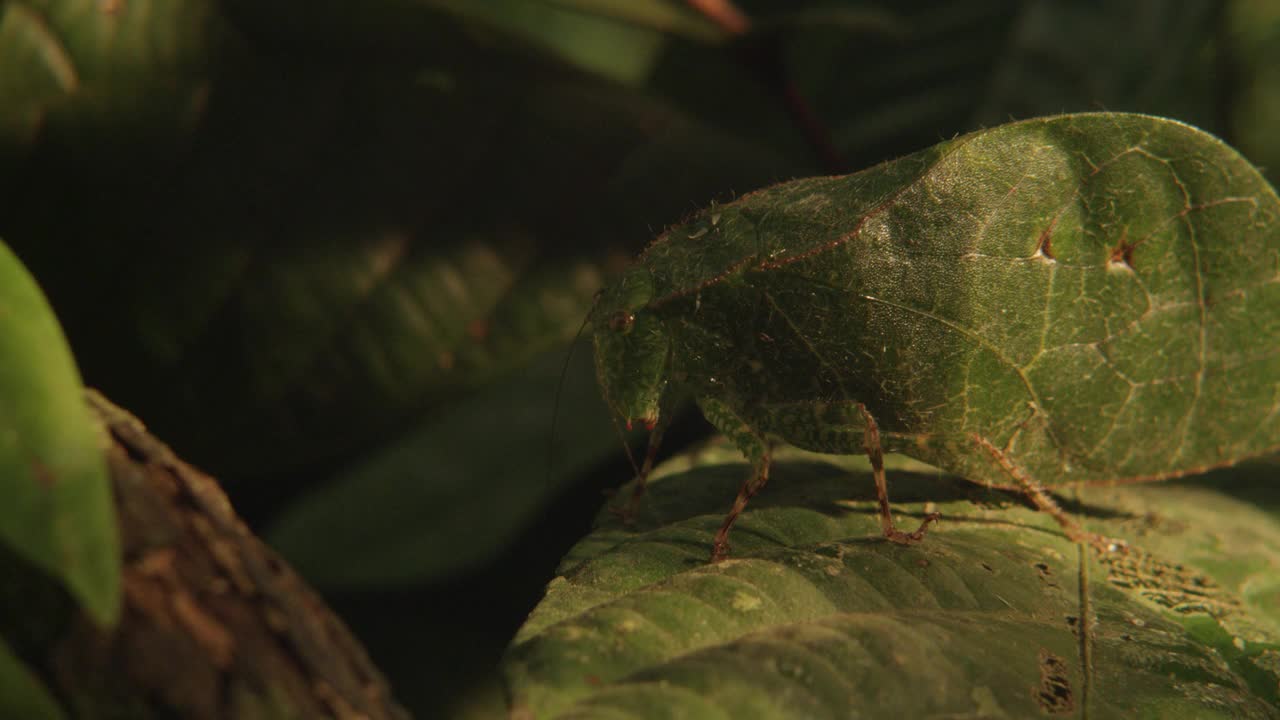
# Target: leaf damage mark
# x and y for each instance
(1054, 694)
(1046, 575)
(1044, 246)
(1122, 253)
(1170, 585)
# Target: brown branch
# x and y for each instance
(215, 625)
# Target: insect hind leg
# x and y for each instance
(1043, 500)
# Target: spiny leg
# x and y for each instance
(1044, 502)
(752, 485)
(756, 449)
(875, 453)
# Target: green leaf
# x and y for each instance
(22, 695)
(57, 513)
(994, 614)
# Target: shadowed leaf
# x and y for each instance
(431, 521)
(21, 694)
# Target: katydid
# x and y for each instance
(1077, 299)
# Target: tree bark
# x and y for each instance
(215, 625)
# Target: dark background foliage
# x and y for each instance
(335, 253)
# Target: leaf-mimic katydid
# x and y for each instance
(1077, 299)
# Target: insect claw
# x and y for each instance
(719, 550)
(911, 538)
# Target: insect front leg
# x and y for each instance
(628, 512)
(756, 449)
(875, 453)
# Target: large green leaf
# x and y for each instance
(57, 511)
(21, 693)
(995, 614)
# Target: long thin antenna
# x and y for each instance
(555, 405)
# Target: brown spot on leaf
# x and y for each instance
(1046, 575)
(1054, 692)
(478, 329)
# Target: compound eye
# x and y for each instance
(622, 321)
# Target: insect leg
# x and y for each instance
(1043, 501)
(642, 478)
(875, 453)
(756, 449)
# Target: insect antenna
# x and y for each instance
(555, 403)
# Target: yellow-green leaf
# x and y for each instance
(57, 511)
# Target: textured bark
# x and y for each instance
(215, 625)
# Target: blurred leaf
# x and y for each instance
(355, 243)
(613, 39)
(21, 694)
(917, 75)
(670, 16)
(1253, 33)
(815, 614)
(103, 71)
(57, 512)
(884, 78)
(451, 493)
(1148, 56)
(887, 78)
